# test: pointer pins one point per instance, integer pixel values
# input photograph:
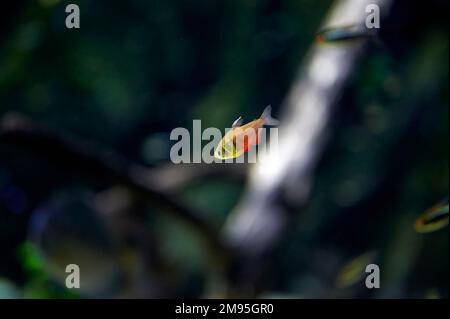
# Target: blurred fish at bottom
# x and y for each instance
(68, 230)
(434, 218)
(354, 271)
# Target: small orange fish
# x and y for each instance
(241, 138)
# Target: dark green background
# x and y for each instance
(137, 69)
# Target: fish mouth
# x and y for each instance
(221, 157)
(216, 153)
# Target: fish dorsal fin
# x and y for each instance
(237, 123)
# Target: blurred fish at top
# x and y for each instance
(344, 33)
(434, 218)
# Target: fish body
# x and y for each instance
(433, 218)
(354, 270)
(344, 33)
(241, 138)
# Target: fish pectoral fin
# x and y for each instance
(237, 122)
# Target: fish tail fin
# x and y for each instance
(267, 117)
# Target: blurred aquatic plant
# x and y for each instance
(68, 230)
(8, 290)
(31, 257)
(39, 284)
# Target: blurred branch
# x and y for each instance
(170, 178)
(99, 164)
(280, 183)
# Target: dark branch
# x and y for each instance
(95, 163)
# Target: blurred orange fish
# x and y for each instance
(241, 138)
